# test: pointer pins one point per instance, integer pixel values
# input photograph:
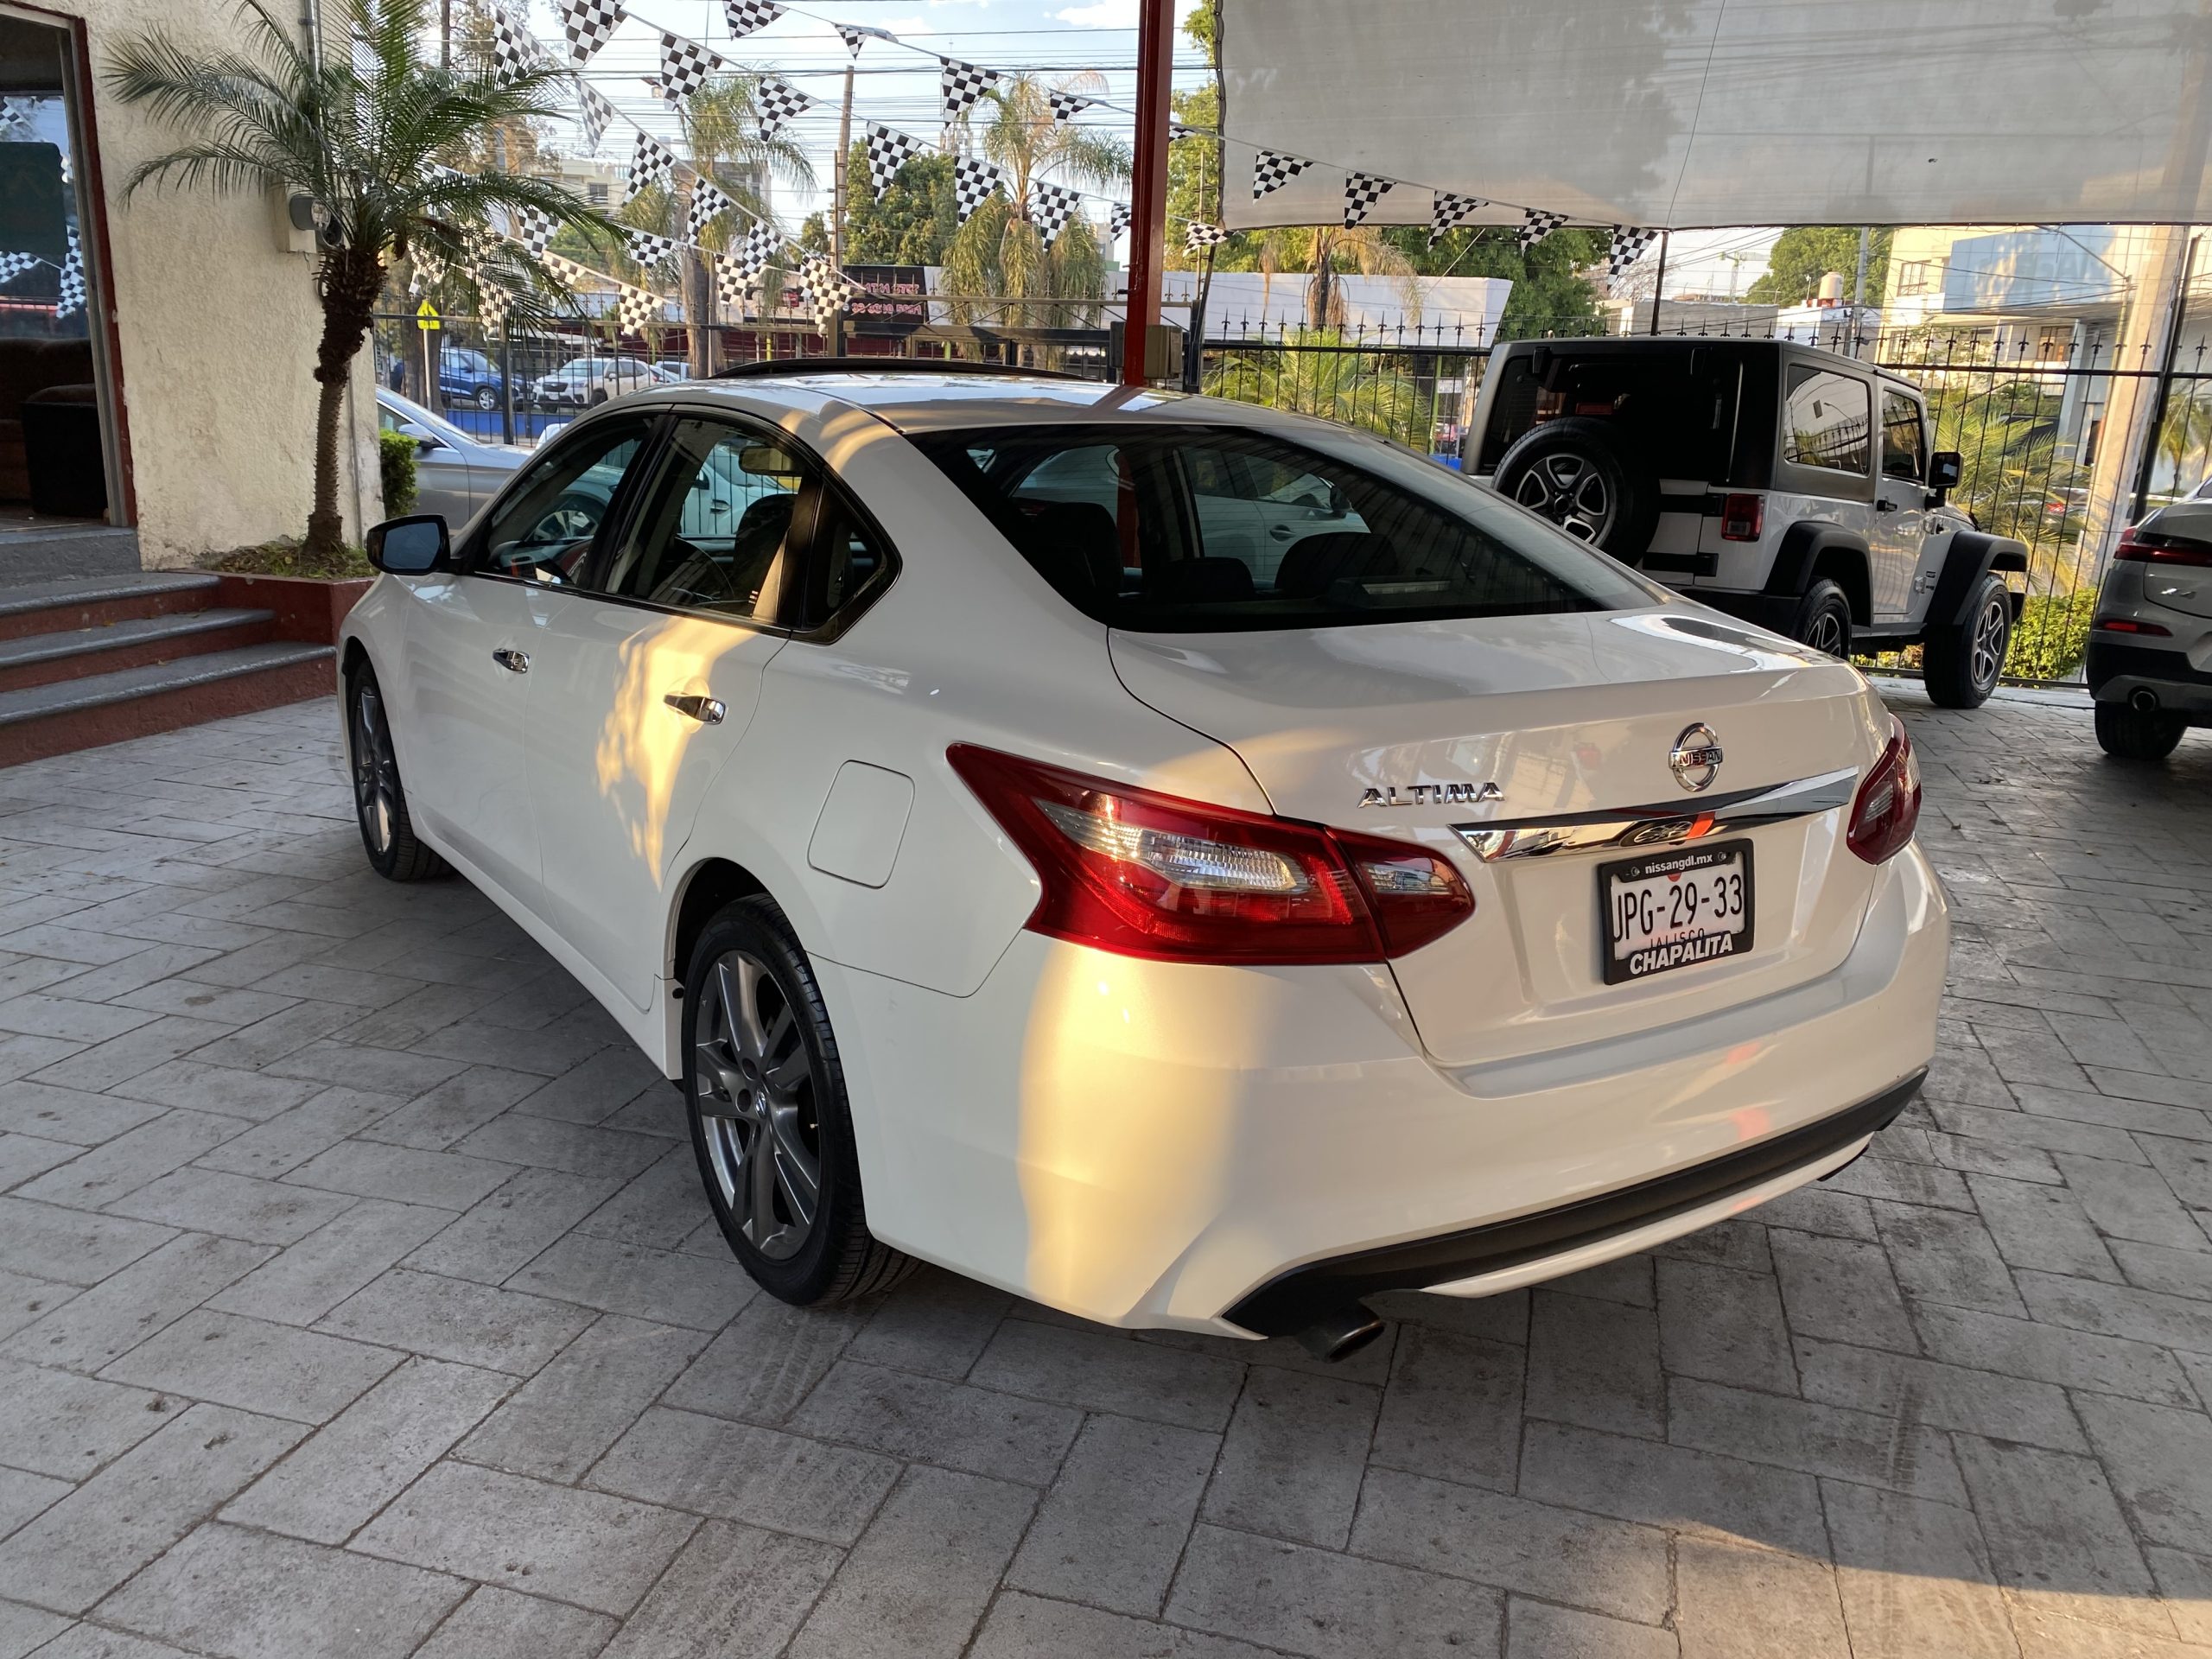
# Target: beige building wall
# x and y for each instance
(217, 324)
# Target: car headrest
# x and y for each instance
(1076, 546)
(1187, 581)
(765, 520)
(1311, 565)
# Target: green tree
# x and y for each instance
(1805, 253)
(912, 224)
(360, 129)
(999, 251)
(1313, 375)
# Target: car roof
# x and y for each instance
(913, 402)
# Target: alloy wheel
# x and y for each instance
(755, 1095)
(1571, 492)
(1992, 631)
(375, 772)
(1826, 635)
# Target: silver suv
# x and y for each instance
(1792, 488)
(2149, 663)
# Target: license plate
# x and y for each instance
(1675, 909)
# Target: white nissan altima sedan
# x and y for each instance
(1191, 865)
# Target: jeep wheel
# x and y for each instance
(1577, 474)
(1959, 664)
(1823, 619)
(2129, 733)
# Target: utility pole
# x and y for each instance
(445, 33)
(1148, 185)
(836, 330)
(1658, 284)
(1859, 290)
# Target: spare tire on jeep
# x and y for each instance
(1579, 473)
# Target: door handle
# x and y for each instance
(515, 662)
(1281, 532)
(1886, 506)
(708, 711)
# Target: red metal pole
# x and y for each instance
(1148, 184)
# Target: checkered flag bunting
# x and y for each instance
(636, 310)
(746, 15)
(13, 265)
(648, 249)
(975, 182)
(684, 67)
(1272, 170)
(734, 287)
(1198, 234)
(825, 286)
(650, 162)
(1629, 244)
(588, 23)
(961, 84)
(492, 302)
(1050, 206)
(759, 247)
(71, 298)
(779, 102)
(1449, 210)
(1536, 226)
(514, 50)
(1065, 106)
(1361, 191)
(593, 114)
(887, 151)
(708, 203)
(1119, 217)
(851, 37)
(534, 230)
(13, 119)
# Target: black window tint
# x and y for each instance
(712, 530)
(1902, 441)
(1826, 422)
(849, 563)
(1194, 527)
(543, 527)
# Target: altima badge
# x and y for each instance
(1695, 760)
(1432, 795)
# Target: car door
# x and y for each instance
(471, 640)
(1909, 542)
(648, 675)
(1290, 507)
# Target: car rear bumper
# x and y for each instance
(1157, 1145)
(2116, 672)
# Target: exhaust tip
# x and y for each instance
(1340, 1334)
(2142, 700)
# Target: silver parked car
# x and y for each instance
(455, 472)
(2152, 628)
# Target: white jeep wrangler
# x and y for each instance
(1792, 487)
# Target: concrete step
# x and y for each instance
(81, 713)
(43, 548)
(89, 601)
(45, 659)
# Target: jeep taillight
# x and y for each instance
(1742, 518)
(1887, 806)
(1145, 874)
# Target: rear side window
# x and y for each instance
(1826, 422)
(1189, 527)
(1904, 444)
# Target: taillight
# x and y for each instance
(2128, 625)
(1742, 518)
(1146, 874)
(1887, 806)
(2139, 550)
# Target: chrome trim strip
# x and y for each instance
(1654, 826)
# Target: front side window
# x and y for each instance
(1826, 422)
(712, 532)
(1903, 445)
(1190, 527)
(543, 527)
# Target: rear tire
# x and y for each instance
(1579, 474)
(488, 398)
(1823, 620)
(379, 799)
(2129, 733)
(1959, 664)
(770, 1119)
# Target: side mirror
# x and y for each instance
(410, 547)
(1944, 470)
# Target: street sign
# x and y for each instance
(426, 317)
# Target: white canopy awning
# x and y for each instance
(1723, 113)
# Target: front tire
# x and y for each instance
(487, 398)
(2129, 733)
(379, 799)
(770, 1119)
(1959, 664)
(1823, 620)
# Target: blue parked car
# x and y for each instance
(466, 375)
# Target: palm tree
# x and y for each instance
(999, 251)
(1318, 249)
(1315, 373)
(360, 130)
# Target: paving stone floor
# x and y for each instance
(356, 1298)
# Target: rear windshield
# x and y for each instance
(1192, 528)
